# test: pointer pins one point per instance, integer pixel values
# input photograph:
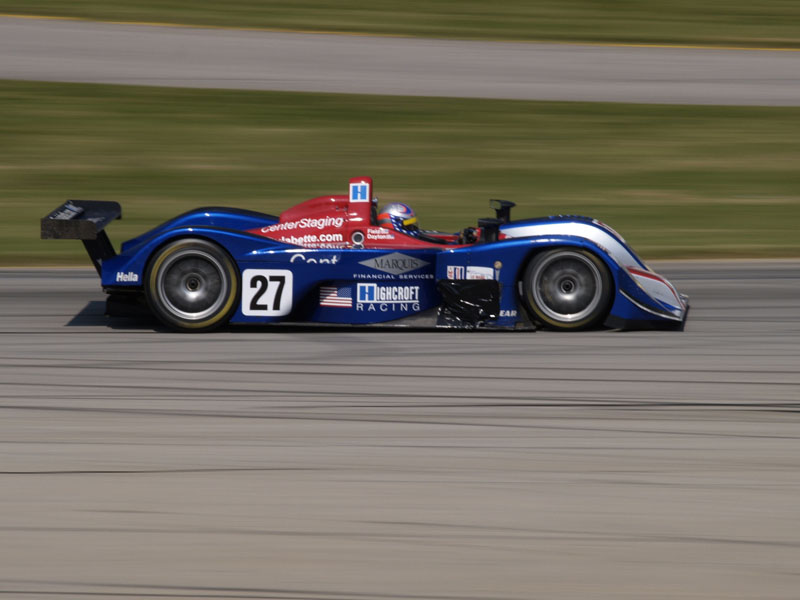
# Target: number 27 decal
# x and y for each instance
(266, 292)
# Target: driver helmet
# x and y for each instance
(398, 216)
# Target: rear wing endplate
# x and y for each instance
(84, 220)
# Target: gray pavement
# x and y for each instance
(339, 464)
(79, 51)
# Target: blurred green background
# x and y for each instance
(676, 181)
(715, 22)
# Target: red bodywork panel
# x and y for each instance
(341, 222)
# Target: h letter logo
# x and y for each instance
(366, 292)
(359, 192)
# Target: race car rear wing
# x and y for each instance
(84, 220)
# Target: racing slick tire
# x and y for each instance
(192, 285)
(567, 289)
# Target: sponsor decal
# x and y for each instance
(331, 295)
(372, 292)
(389, 298)
(312, 260)
(508, 313)
(480, 273)
(379, 233)
(394, 263)
(455, 272)
(68, 211)
(311, 240)
(387, 276)
(129, 277)
(306, 223)
(359, 192)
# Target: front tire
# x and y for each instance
(568, 289)
(192, 285)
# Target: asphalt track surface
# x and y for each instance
(83, 51)
(348, 464)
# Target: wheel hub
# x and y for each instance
(567, 287)
(192, 284)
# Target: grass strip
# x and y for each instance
(676, 181)
(712, 22)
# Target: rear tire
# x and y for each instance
(568, 289)
(192, 285)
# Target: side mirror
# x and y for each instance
(502, 209)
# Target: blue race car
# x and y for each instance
(340, 260)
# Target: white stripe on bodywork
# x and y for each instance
(652, 284)
(595, 234)
(658, 288)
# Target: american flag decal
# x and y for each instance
(330, 295)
